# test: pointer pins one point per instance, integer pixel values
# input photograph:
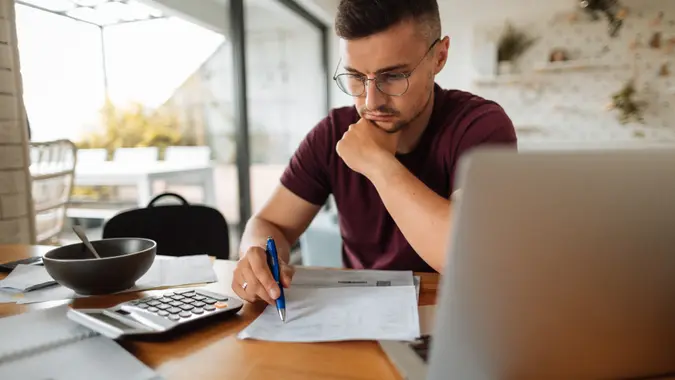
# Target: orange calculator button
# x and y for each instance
(220, 305)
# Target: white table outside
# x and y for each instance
(143, 175)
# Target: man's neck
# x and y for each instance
(411, 135)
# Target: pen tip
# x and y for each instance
(282, 314)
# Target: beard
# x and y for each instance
(388, 127)
(397, 124)
(394, 126)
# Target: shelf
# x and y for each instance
(577, 65)
(549, 68)
(500, 79)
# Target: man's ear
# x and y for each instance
(442, 56)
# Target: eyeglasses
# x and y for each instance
(392, 84)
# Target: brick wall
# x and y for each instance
(16, 209)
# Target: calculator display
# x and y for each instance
(110, 321)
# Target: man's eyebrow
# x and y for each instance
(380, 71)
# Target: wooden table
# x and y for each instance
(213, 351)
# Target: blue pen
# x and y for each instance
(276, 272)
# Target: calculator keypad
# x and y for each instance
(181, 305)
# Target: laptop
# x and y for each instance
(561, 266)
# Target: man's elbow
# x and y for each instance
(438, 264)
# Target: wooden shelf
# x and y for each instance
(549, 68)
(500, 80)
(577, 65)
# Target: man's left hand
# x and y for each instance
(364, 145)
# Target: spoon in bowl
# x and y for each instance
(80, 233)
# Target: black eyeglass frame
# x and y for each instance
(377, 78)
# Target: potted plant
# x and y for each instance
(512, 44)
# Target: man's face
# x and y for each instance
(389, 54)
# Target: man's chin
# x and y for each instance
(389, 126)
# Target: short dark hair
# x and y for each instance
(362, 18)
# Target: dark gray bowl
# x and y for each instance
(122, 262)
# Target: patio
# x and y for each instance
(236, 188)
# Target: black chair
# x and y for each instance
(179, 229)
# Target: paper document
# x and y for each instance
(344, 311)
(45, 344)
(359, 278)
(25, 278)
(185, 270)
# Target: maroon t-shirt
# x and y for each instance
(371, 239)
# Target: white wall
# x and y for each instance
(462, 19)
(458, 18)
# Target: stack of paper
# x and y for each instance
(45, 344)
(332, 305)
(164, 272)
(25, 278)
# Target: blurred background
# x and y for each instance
(163, 95)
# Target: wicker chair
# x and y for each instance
(52, 170)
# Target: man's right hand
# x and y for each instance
(253, 278)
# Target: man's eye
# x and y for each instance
(392, 76)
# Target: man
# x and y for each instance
(389, 160)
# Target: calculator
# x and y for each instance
(156, 314)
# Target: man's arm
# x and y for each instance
(305, 186)
(285, 217)
(423, 216)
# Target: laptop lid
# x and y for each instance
(561, 266)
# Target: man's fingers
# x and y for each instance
(237, 285)
(287, 273)
(254, 288)
(262, 272)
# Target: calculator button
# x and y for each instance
(177, 297)
(175, 303)
(163, 306)
(168, 294)
(134, 302)
(186, 293)
(162, 313)
(186, 307)
(188, 300)
(174, 310)
(198, 304)
(216, 296)
(198, 298)
(154, 303)
(197, 310)
(220, 305)
(209, 308)
(165, 299)
(209, 301)
(185, 314)
(142, 305)
(174, 317)
(153, 309)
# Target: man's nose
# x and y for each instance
(374, 97)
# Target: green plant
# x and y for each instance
(513, 43)
(630, 108)
(135, 126)
(130, 127)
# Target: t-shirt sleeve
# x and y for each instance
(486, 125)
(307, 174)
